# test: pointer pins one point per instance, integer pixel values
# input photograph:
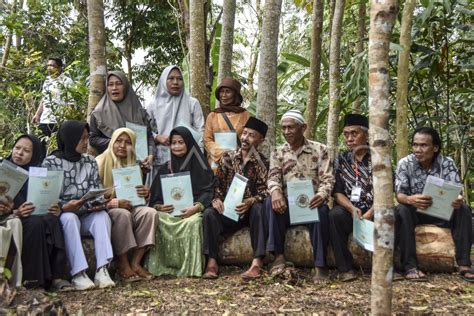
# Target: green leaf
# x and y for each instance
(297, 59)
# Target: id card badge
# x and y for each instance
(355, 193)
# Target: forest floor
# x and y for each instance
(445, 293)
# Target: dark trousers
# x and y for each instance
(278, 224)
(340, 227)
(460, 224)
(215, 224)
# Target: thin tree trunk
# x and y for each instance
(255, 50)
(359, 49)
(334, 74)
(382, 19)
(17, 34)
(402, 79)
(8, 41)
(267, 71)
(227, 40)
(317, 18)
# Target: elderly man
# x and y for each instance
(298, 158)
(251, 164)
(411, 174)
(353, 191)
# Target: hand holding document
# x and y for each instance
(125, 181)
(12, 179)
(177, 191)
(442, 194)
(363, 233)
(44, 188)
(234, 196)
(300, 193)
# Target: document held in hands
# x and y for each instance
(363, 233)
(12, 179)
(177, 191)
(300, 193)
(226, 140)
(442, 193)
(234, 196)
(44, 188)
(141, 145)
(125, 182)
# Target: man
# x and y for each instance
(412, 172)
(298, 158)
(353, 191)
(54, 93)
(251, 164)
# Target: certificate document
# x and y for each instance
(44, 188)
(363, 233)
(442, 193)
(125, 181)
(177, 191)
(234, 196)
(300, 193)
(226, 140)
(12, 179)
(93, 193)
(141, 145)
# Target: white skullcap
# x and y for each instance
(294, 114)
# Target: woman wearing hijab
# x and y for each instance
(171, 107)
(117, 107)
(178, 249)
(229, 117)
(133, 228)
(81, 217)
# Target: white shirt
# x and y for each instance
(54, 95)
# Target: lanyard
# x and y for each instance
(357, 172)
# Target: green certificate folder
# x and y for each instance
(442, 193)
(300, 193)
(141, 145)
(363, 233)
(177, 191)
(12, 179)
(125, 182)
(226, 140)
(44, 188)
(234, 196)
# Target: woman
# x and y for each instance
(178, 249)
(117, 107)
(43, 256)
(230, 102)
(81, 217)
(133, 228)
(171, 107)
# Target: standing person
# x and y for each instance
(133, 228)
(229, 117)
(170, 107)
(79, 217)
(410, 179)
(253, 165)
(55, 95)
(298, 158)
(353, 191)
(178, 249)
(117, 107)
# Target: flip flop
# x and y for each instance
(463, 275)
(211, 274)
(415, 275)
(248, 277)
(130, 278)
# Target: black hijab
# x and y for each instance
(69, 135)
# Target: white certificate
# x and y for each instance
(12, 179)
(234, 196)
(44, 188)
(177, 191)
(141, 145)
(363, 233)
(226, 140)
(442, 193)
(300, 193)
(125, 181)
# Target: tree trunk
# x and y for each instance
(402, 79)
(227, 40)
(97, 62)
(359, 49)
(255, 50)
(8, 41)
(197, 67)
(334, 74)
(317, 18)
(382, 19)
(267, 71)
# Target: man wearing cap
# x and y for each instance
(251, 164)
(298, 158)
(353, 191)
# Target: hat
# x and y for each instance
(294, 114)
(230, 83)
(356, 119)
(258, 125)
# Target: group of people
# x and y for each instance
(148, 241)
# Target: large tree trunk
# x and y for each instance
(197, 67)
(382, 19)
(334, 74)
(255, 50)
(359, 49)
(227, 40)
(267, 71)
(317, 18)
(402, 79)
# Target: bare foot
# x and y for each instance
(141, 272)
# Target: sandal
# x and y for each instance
(277, 268)
(60, 285)
(465, 277)
(415, 275)
(321, 276)
(211, 273)
(247, 276)
(128, 278)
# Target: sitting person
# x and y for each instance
(251, 164)
(411, 174)
(178, 249)
(133, 228)
(80, 217)
(353, 191)
(296, 159)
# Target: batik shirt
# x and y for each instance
(410, 177)
(310, 161)
(255, 169)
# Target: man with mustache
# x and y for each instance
(251, 164)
